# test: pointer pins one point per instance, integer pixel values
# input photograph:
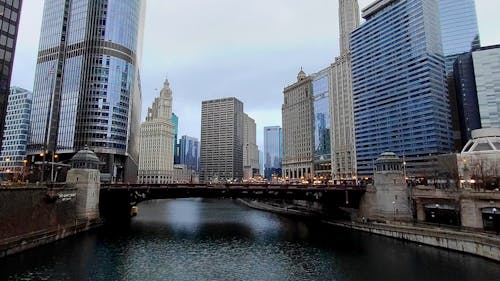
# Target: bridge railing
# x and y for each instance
(236, 186)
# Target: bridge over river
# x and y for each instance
(117, 199)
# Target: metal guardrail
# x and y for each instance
(233, 186)
(59, 185)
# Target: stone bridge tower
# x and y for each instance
(388, 198)
(85, 176)
(392, 202)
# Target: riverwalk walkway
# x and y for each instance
(478, 243)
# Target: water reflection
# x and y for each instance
(221, 240)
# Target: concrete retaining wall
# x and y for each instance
(30, 217)
(479, 244)
(30, 240)
(26, 210)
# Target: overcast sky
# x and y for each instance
(221, 48)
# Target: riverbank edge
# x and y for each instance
(465, 242)
(278, 210)
(17, 244)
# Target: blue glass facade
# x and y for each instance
(321, 108)
(273, 151)
(189, 152)
(459, 31)
(86, 89)
(399, 85)
(15, 138)
(177, 153)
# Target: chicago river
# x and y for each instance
(199, 239)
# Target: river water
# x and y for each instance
(198, 239)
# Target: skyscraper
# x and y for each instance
(175, 122)
(343, 149)
(261, 162)
(348, 21)
(400, 98)
(17, 121)
(486, 62)
(189, 148)
(297, 120)
(321, 107)
(250, 149)
(464, 84)
(156, 162)
(87, 83)
(459, 35)
(9, 24)
(273, 151)
(459, 31)
(221, 151)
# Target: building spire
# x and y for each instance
(166, 91)
(302, 75)
(162, 105)
(348, 21)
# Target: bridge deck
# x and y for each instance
(252, 187)
(116, 199)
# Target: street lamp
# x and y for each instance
(404, 169)
(42, 154)
(437, 209)
(394, 210)
(54, 156)
(7, 164)
(495, 220)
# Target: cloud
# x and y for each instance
(250, 50)
(219, 48)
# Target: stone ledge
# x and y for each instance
(27, 241)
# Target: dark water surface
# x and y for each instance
(221, 240)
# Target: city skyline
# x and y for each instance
(259, 61)
(392, 127)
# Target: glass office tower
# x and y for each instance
(399, 86)
(459, 34)
(175, 121)
(9, 25)
(87, 83)
(465, 88)
(486, 62)
(321, 107)
(477, 82)
(17, 122)
(273, 152)
(459, 31)
(189, 152)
